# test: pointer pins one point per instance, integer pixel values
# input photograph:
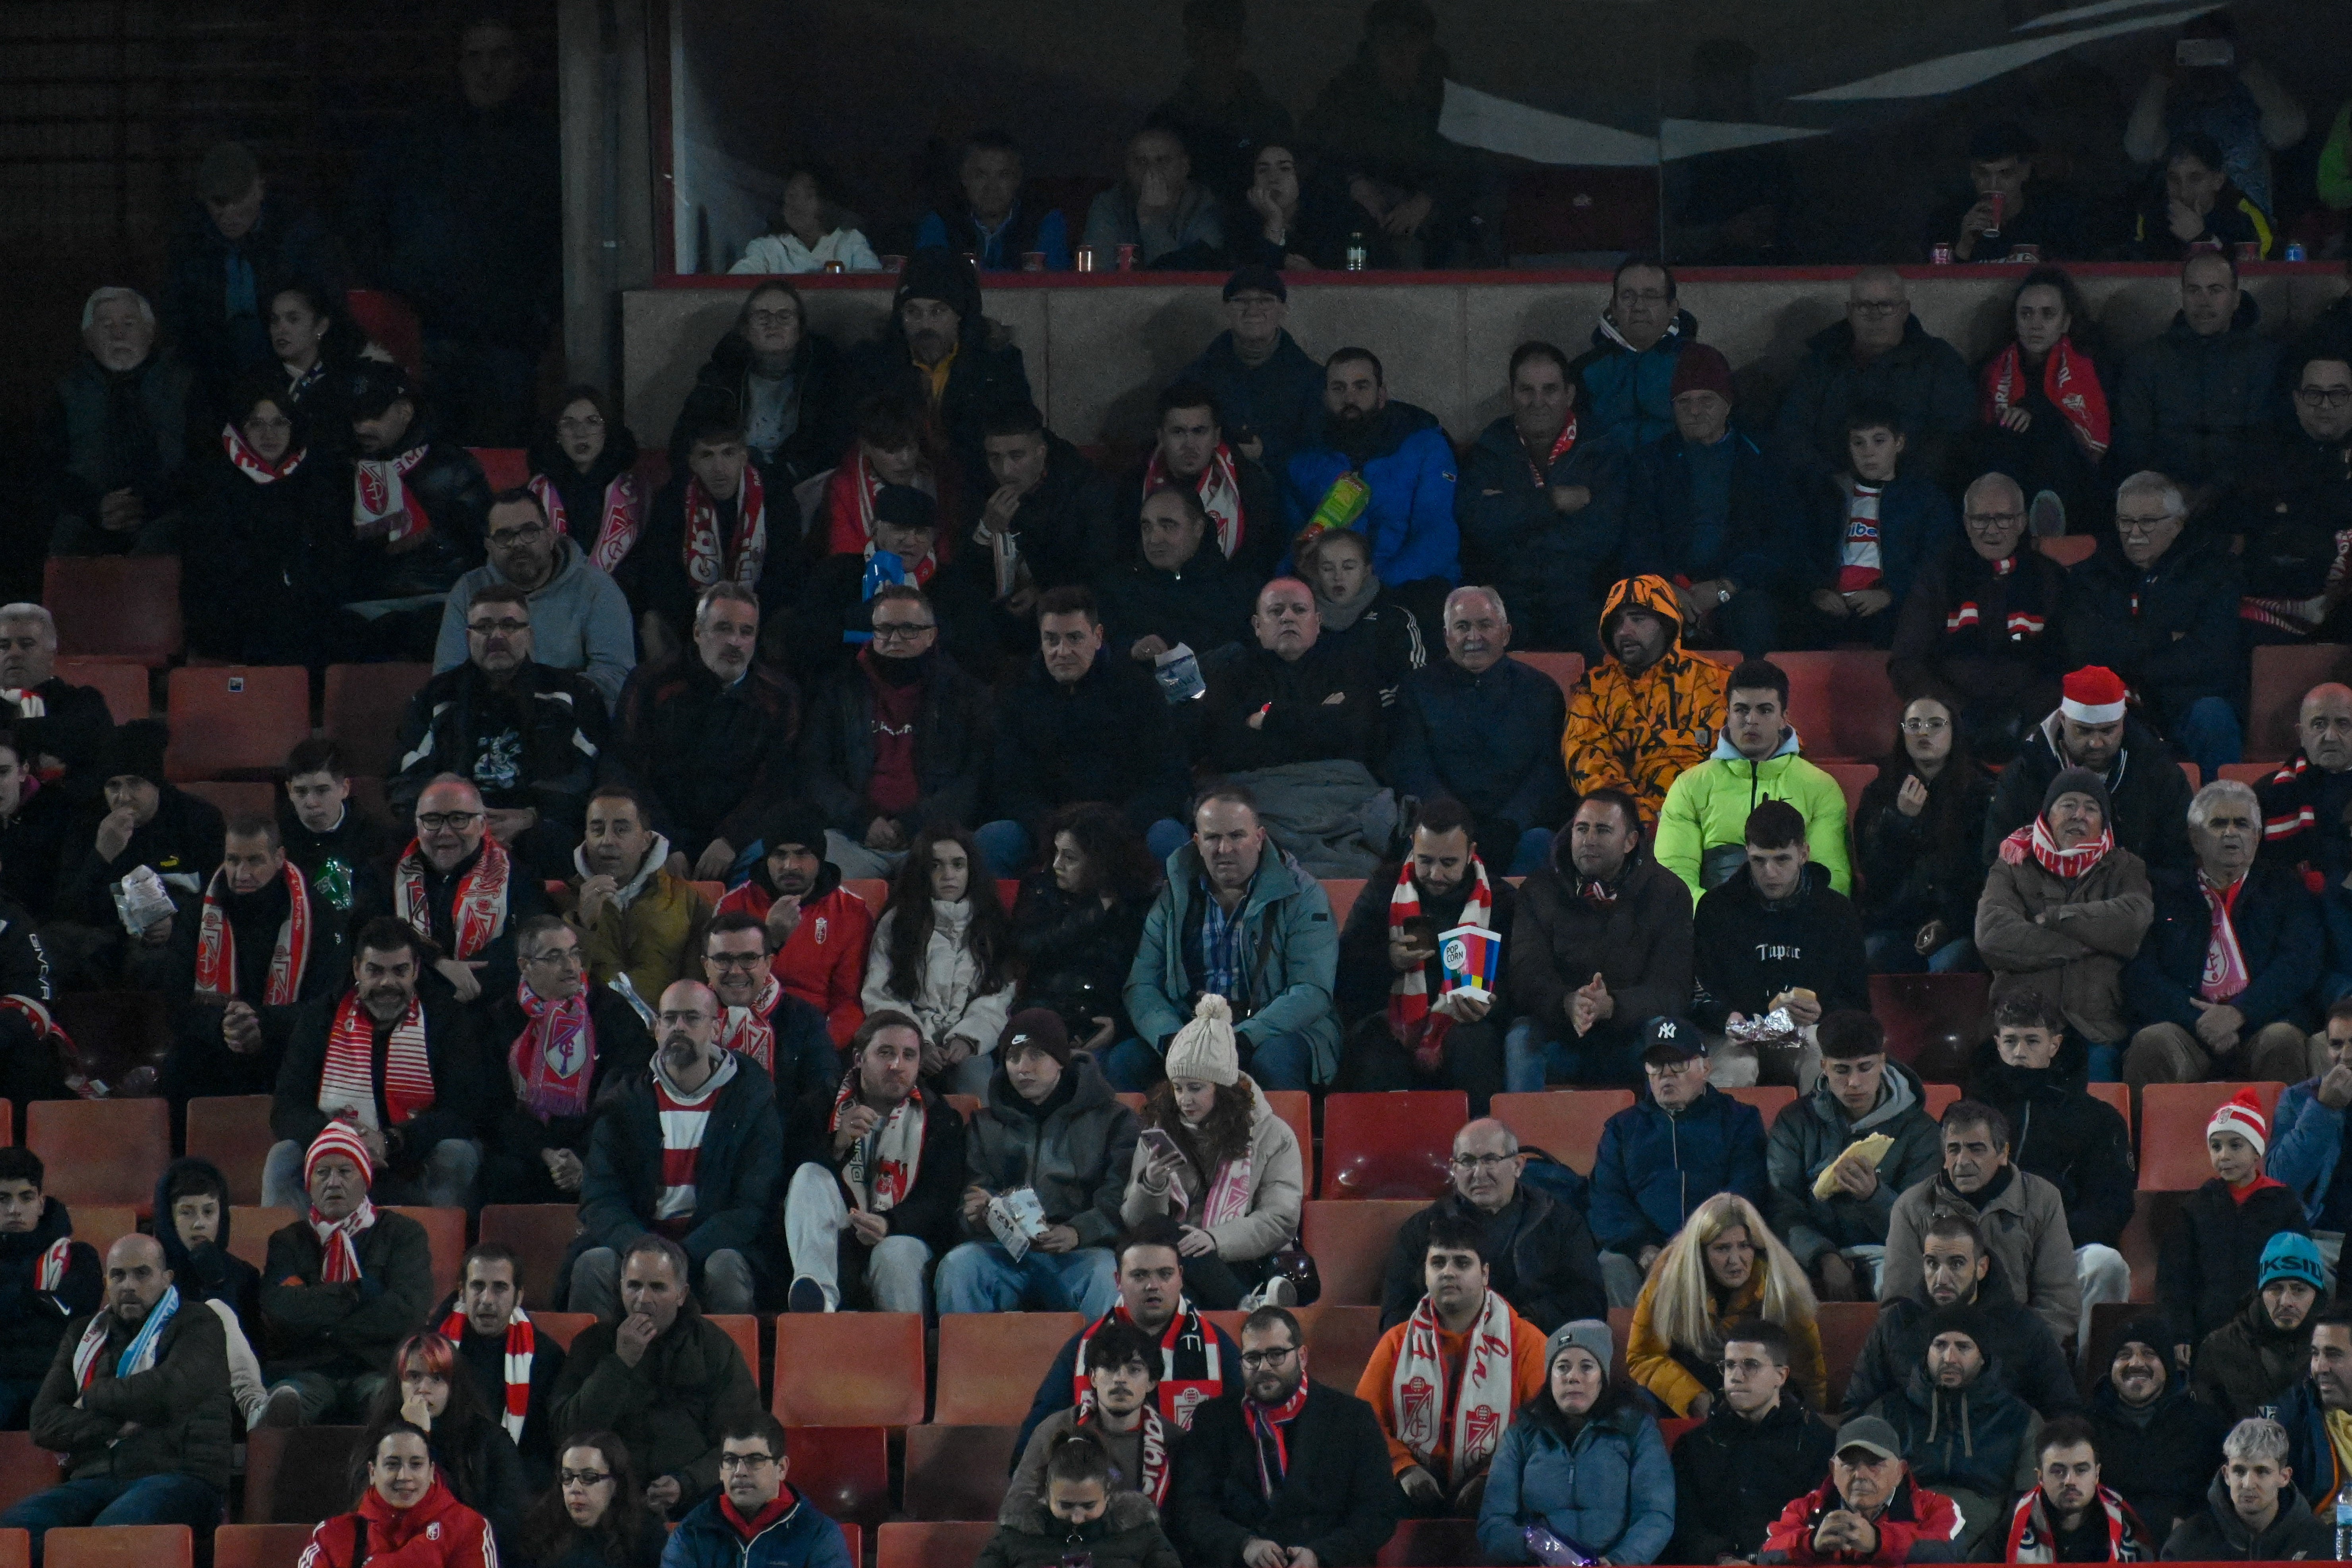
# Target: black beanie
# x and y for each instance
(938, 273)
(136, 748)
(795, 822)
(2079, 781)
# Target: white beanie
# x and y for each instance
(1204, 1047)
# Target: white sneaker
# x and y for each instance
(281, 1406)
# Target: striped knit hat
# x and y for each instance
(337, 1138)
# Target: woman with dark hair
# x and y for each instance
(1294, 220)
(1079, 919)
(2042, 407)
(1583, 1467)
(1916, 834)
(1361, 613)
(789, 383)
(266, 551)
(408, 1515)
(583, 469)
(313, 339)
(809, 231)
(595, 1516)
(475, 1457)
(943, 952)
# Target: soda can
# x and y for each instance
(835, 265)
(1940, 253)
(1033, 261)
(2294, 251)
(2250, 250)
(1085, 258)
(2029, 254)
(1127, 259)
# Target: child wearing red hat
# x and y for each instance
(2206, 1263)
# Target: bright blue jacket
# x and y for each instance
(2307, 1154)
(1653, 1168)
(1628, 394)
(1611, 1491)
(1410, 518)
(804, 1537)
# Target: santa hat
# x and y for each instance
(2091, 695)
(2242, 1113)
(337, 1138)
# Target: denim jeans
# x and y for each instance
(1283, 1062)
(327, 1399)
(815, 1214)
(105, 1499)
(1005, 845)
(2209, 735)
(980, 1277)
(1530, 1062)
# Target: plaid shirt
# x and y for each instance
(1219, 963)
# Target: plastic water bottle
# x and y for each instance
(2343, 1522)
(1359, 254)
(2294, 251)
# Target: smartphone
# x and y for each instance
(2205, 53)
(1156, 1139)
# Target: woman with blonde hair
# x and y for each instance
(1724, 1264)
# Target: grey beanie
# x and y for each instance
(1591, 1334)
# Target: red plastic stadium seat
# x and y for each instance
(364, 706)
(2189, 772)
(850, 1369)
(1843, 1325)
(1620, 1331)
(967, 1105)
(853, 1540)
(103, 1224)
(844, 1470)
(1565, 669)
(1297, 1107)
(2068, 549)
(250, 1229)
(990, 1364)
(506, 467)
(1431, 1543)
(232, 1131)
(298, 1475)
(236, 719)
(1769, 1099)
(1939, 1099)
(1853, 778)
(445, 1233)
(119, 1546)
(1342, 891)
(390, 323)
(2116, 1095)
(126, 606)
(957, 1472)
(2172, 1118)
(562, 1327)
(7, 1123)
(1841, 703)
(100, 1151)
(1673, 1429)
(15, 1548)
(743, 1328)
(121, 683)
(1349, 1242)
(873, 890)
(932, 1546)
(1940, 1017)
(542, 1233)
(1339, 1341)
(2281, 676)
(24, 1468)
(1563, 1123)
(1392, 1145)
(259, 1546)
(2253, 773)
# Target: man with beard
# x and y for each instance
(638, 924)
(1958, 1269)
(707, 737)
(2021, 1216)
(567, 1042)
(420, 507)
(689, 1152)
(1541, 502)
(264, 943)
(1190, 447)
(1962, 1432)
(2071, 1516)
(58, 725)
(2316, 1411)
(400, 1068)
(764, 1020)
(1182, 592)
(2157, 1442)
(1647, 711)
(1383, 469)
(1264, 385)
(1118, 1408)
(515, 1363)
(579, 616)
(118, 434)
(2244, 1365)
(877, 1163)
(711, 524)
(818, 928)
(2090, 729)
(940, 350)
(529, 736)
(456, 887)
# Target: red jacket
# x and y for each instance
(1918, 1526)
(439, 1533)
(823, 963)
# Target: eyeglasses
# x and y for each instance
(442, 821)
(1874, 307)
(1255, 1360)
(900, 631)
(1925, 726)
(2141, 525)
(1994, 518)
(584, 1478)
(2325, 397)
(579, 426)
(530, 533)
(737, 960)
(506, 625)
(745, 1461)
(1465, 1163)
(555, 955)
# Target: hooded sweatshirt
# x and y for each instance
(1702, 826)
(1750, 949)
(1640, 732)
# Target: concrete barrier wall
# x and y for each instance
(1098, 351)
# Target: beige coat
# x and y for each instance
(2025, 1227)
(2076, 956)
(1277, 1185)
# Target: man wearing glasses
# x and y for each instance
(458, 889)
(530, 737)
(580, 619)
(1758, 1448)
(1626, 378)
(1982, 624)
(1269, 389)
(2293, 559)
(1540, 1255)
(567, 1041)
(1881, 353)
(756, 1521)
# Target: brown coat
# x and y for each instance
(2076, 956)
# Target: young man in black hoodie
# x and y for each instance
(1776, 934)
(1057, 508)
(1756, 1449)
(2157, 1444)
(191, 1225)
(47, 1278)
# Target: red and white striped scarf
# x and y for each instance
(49, 1273)
(898, 1150)
(1192, 1363)
(339, 1239)
(347, 1083)
(709, 557)
(481, 912)
(554, 1057)
(751, 1030)
(1473, 1404)
(1220, 489)
(2068, 864)
(2225, 961)
(1409, 1018)
(252, 464)
(1861, 565)
(216, 944)
(381, 507)
(2068, 381)
(522, 1342)
(617, 530)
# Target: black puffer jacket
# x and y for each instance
(557, 716)
(714, 758)
(2171, 631)
(2059, 1132)
(2015, 1336)
(821, 386)
(2201, 409)
(1925, 867)
(1108, 737)
(2207, 1259)
(37, 1318)
(2149, 791)
(2160, 1456)
(1733, 1476)
(952, 737)
(1075, 952)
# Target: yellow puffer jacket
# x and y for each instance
(1652, 1364)
(1636, 733)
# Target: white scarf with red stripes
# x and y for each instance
(522, 1342)
(616, 531)
(1409, 1018)
(1220, 489)
(883, 1179)
(709, 557)
(252, 464)
(216, 944)
(381, 507)
(1474, 1403)
(685, 1119)
(751, 1030)
(480, 912)
(339, 1239)
(347, 1084)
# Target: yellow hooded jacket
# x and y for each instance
(1637, 733)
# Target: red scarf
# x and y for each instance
(624, 515)
(252, 464)
(554, 1057)
(1192, 1363)
(339, 1240)
(2258, 1184)
(1559, 449)
(522, 1342)
(1409, 1019)
(747, 1530)
(1220, 489)
(709, 558)
(380, 494)
(1268, 1424)
(216, 944)
(2225, 961)
(749, 1030)
(480, 912)
(2066, 864)
(347, 1082)
(2068, 381)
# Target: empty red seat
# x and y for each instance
(931, 1545)
(391, 324)
(1769, 1099)
(236, 719)
(1342, 892)
(849, 1369)
(506, 467)
(844, 1470)
(1936, 1018)
(2281, 675)
(2172, 1118)
(250, 1229)
(124, 605)
(540, 1233)
(1841, 703)
(1349, 1242)
(298, 1475)
(259, 1546)
(445, 1232)
(990, 1364)
(100, 1151)
(1563, 1123)
(364, 705)
(119, 1546)
(24, 1468)
(957, 1472)
(1339, 1341)
(232, 1131)
(1565, 669)
(1844, 1326)
(1393, 1146)
(123, 683)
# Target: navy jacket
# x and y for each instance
(1490, 741)
(2172, 632)
(2204, 410)
(1760, 523)
(1916, 523)
(1655, 1166)
(1280, 402)
(1108, 737)
(804, 1537)
(1923, 377)
(1549, 563)
(2278, 931)
(735, 1172)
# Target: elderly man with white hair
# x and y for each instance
(57, 724)
(2159, 607)
(2221, 986)
(1484, 729)
(1879, 353)
(119, 425)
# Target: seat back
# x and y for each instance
(259, 1546)
(1840, 703)
(1349, 1241)
(2118, 1097)
(2068, 549)
(1769, 1099)
(506, 467)
(1932, 1021)
(103, 1224)
(298, 1475)
(119, 1546)
(1297, 1107)
(931, 1545)
(844, 1470)
(1392, 1145)
(1431, 1543)
(2172, 1155)
(1342, 892)
(990, 1364)
(445, 1233)
(743, 1328)
(391, 324)
(849, 1369)
(364, 705)
(540, 1233)
(1563, 1123)
(25, 1467)
(1843, 1325)
(235, 721)
(2279, 676)
(1565, 669)
(100, 1151)
(561, 1327)
(1339, 1341)
(957, 1472)
(124, 606)
(232, 1131)
(123, 685)
(251, 1229)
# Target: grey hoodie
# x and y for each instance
(579, 620)
(1814, 1131)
